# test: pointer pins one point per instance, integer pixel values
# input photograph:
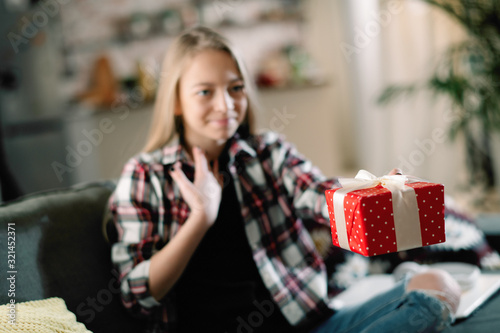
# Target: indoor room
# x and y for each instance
(307, 108)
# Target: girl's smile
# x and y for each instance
(224, 122)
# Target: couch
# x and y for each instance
(61, 251)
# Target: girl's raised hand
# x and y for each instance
(203, 196)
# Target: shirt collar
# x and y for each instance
(174, 151)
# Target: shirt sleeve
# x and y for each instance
(304, 183)
(134, 207)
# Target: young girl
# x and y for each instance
(210, 218)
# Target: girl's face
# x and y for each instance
(212, 98)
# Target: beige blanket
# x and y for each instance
(44, 316)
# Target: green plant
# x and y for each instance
(468, 73)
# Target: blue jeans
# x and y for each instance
(393, 311)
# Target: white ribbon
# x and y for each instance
(404, 204)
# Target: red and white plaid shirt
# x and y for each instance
(278, 189)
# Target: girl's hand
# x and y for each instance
(203, 196)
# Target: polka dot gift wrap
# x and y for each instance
(373, 217)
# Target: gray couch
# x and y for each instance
(61, 251)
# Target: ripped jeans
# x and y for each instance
(396, 310)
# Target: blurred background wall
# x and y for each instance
(78, 79)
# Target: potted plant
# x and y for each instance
(468, 73)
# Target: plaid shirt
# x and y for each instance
(278, 190)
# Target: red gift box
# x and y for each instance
(374, 216)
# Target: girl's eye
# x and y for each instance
(238, 88)
(204, 92)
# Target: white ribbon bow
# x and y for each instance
(365, 179)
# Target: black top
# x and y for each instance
(221, 289)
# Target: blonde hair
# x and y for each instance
(165, 124)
